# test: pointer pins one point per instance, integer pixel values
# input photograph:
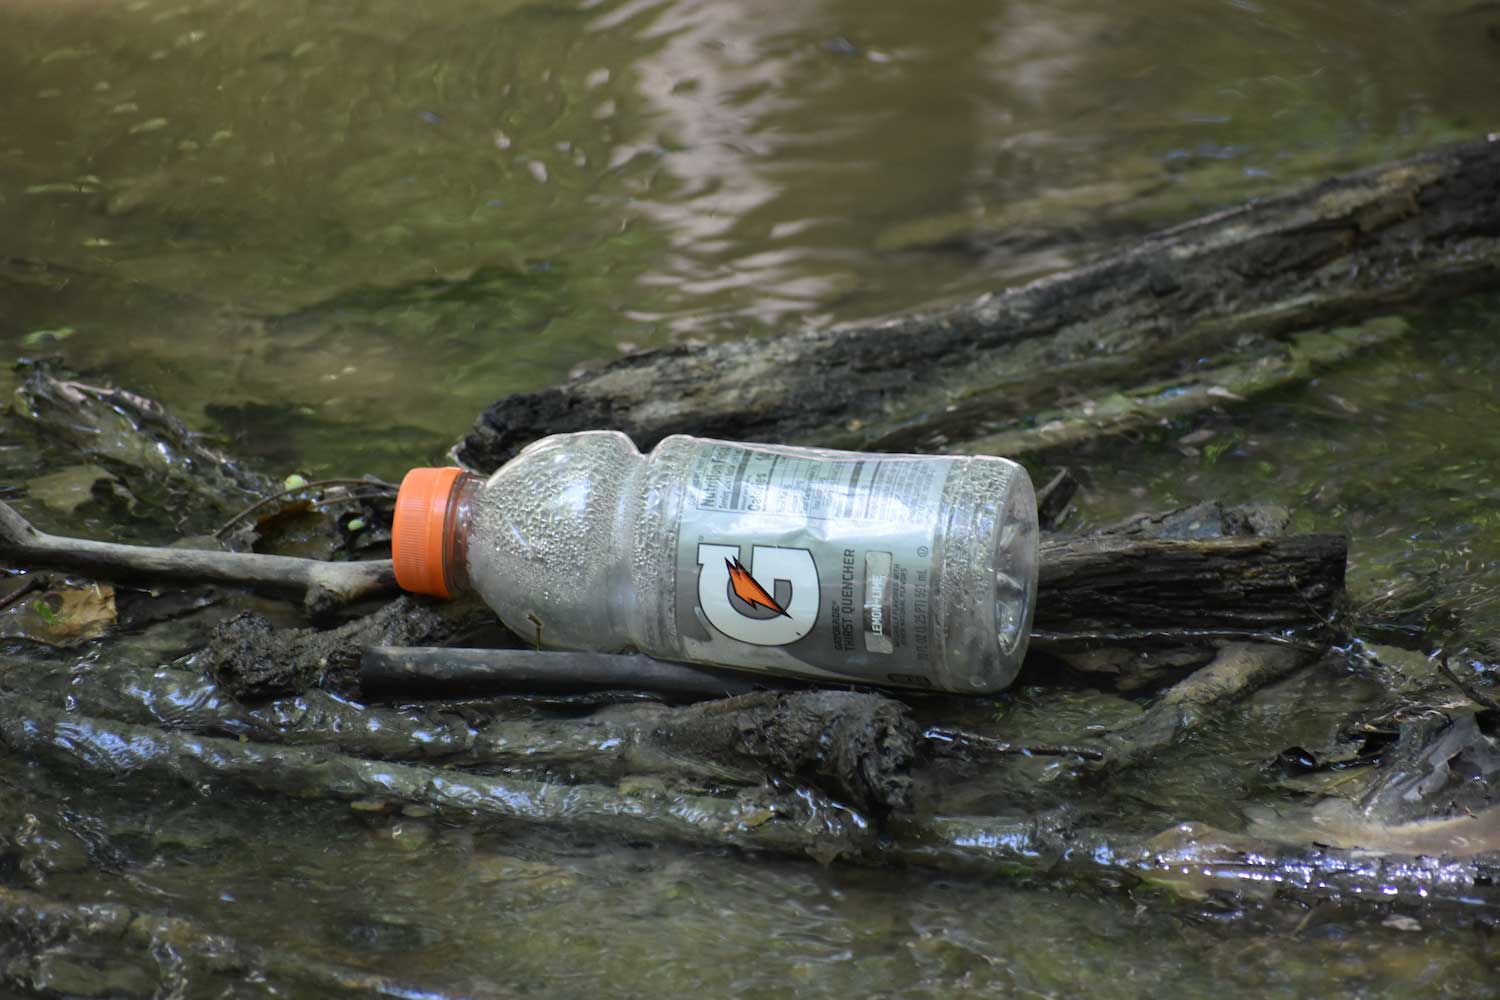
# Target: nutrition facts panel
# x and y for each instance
(752, 481)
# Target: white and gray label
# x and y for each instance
(794, 558)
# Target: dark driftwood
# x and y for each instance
(1111, 584)
(140, 438)
(1224, 294)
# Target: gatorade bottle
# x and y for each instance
(905, 570)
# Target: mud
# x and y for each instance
(253, 660)
(857, 747)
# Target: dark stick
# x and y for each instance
(432, 670)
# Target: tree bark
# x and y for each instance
(1109, 584)
(1194, 316)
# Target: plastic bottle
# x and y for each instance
(905, 570)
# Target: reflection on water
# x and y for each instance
(637, 172)
(334, 229)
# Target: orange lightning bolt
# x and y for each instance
(747, 590)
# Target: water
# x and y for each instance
(293, 218)
(330, 232)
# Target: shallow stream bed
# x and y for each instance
(328, 233)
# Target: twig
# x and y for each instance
(1237, 670)
(1052, 499)
(382, 489)
(956, 739)
(30, 584)
(321, 585)
(1190, 858)
(1469, 692)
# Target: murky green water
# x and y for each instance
(283, 217)
(332, 231)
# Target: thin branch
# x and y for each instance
(428, 670)
(29, 585)
(950, 740)
(382, 489)
(1478, 697)
(319, 584)
(1237, 670)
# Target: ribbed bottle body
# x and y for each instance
(904, 570)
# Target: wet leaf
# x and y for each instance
(40, 338)
(298, 529)
(1219, 445)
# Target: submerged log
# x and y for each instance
(1196, 315)
(1188, 858)
(172, 950)
(149, 446)
(797, 821)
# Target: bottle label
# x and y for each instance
(811, 561)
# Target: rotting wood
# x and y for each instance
(1073, 354)
(140, 437)
(795, 822)
(1106, 583)
(1187, 858)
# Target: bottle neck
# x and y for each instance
(457, 521)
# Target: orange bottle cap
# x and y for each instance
(417, 537)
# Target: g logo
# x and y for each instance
(772, 602)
